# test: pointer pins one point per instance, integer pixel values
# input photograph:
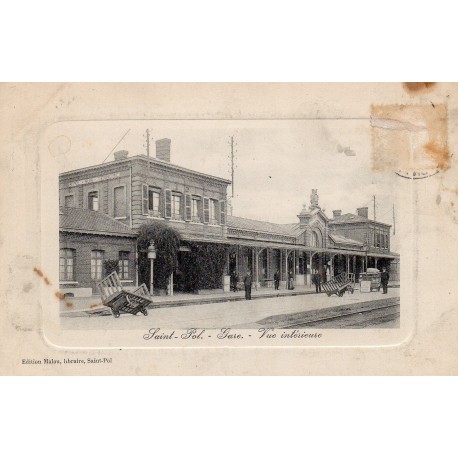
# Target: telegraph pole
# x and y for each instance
(375, 235)
(232, 171)
(232, 164)
(147, 147)
(374, 210)
(394, 222)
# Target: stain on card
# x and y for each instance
(418, 88)
(410, 140)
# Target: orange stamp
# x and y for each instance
(410, 140)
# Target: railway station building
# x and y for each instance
(103, 206)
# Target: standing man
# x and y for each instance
(233, 280)
(290, 280)
(384, 279)
(277, 279)
(247, 281)
(316, 280)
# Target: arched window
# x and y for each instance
(317, 239)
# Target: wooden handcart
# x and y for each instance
(121, 300)
(339, 284)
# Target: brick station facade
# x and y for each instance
(103, 206)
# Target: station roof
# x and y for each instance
(351, 218)
(87, 221)
(236, 222)
(340, 239)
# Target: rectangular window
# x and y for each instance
(119, 199)
(222, 210)
(168, 204)
(154, 198)
(206, 210)
(123, 265)
(93, 200)
(188, 207)
(213, 211)
(378, 240)
(69, 201)
(195, 209)
(176, 206)
(96, 264)
(66, 264)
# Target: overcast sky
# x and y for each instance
(277, 162)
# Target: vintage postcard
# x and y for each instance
(229, 228)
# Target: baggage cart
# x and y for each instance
(371, 279)
(121, 300)
(339, 284)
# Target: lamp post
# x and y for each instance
(151, 257)
(366, 248)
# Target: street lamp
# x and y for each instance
(151, 257)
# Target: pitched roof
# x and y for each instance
(91, 222)
(236, 222)
(351, 218)
(294, 229)
(340, 239)
(152, 160)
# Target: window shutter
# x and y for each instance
(182, 206)
(168, 203)
(145, 199)
(162, 203)
(216, 209)
(206, 210)
(222, 209)
(188, 207)
(200, 210)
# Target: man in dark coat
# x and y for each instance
(247, 281)
(277, 279)
(384, 277)
(234, 281)
(316, 280)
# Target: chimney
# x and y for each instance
(163, 149)
(120, 155)
(364, 212)
(336, 213)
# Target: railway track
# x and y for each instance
(378, 313)
(358, 319)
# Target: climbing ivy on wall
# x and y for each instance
(167, 242)
(204, 267)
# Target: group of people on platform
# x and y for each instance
(317, 280)
(248, 282)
